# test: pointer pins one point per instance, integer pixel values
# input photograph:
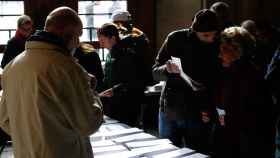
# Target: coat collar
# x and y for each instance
(46, 40)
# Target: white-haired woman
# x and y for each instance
(248, 121)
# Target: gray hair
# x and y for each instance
(241, 38)
(24, 19)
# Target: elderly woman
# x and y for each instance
(247, 119)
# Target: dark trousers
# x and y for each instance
(191, 133)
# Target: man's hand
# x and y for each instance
(93, 81)
(222, 120)
(205, 117)
(171, 67)
(106, 93)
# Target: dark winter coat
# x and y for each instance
(199, 61)
(249, 119)
(15, 46)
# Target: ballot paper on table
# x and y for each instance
(197, 155)
(134, 137)
(147, 143)
(107, 135)
(109, 149)
(152, 150)
(196, 86)
(175, 153)
(108, 120)
(139, 152)
(102, 143)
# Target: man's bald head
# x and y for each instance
(65, 23)
(62, 17)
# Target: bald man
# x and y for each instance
(47, 106)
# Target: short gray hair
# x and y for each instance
(24, 19)
(241, 38)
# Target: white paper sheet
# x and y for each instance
(196, 86)
(102, 143)
(151, 149)
(197, 155)
(176, 153)
(133, 137)
(138, 144)
(109, 149)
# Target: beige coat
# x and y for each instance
(47, 105)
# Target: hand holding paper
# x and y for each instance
(172, 67)
(196, 86)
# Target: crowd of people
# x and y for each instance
(221, 99)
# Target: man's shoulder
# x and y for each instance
(132, 39)
(182, 32)
(13, 40)
(181, 35)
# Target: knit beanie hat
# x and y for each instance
(121, 15)
(205, 21)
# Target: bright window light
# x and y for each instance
(9, 13)
(93, 15)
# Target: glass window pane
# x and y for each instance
(94, 20)
(87, 20)
(85, 7)
(99, 13)
(90, 7)
(8, 22)
(102, 53)
(11, 7)
(85, 36)
(4, 37)
(94, 35)
(9, 11)
(87, 33)
(13, 33)
(99, 20)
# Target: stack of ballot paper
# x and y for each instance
(134, 137)
(147, 143)
(117, 140)
(105, 135)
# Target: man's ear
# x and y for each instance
(113, 38)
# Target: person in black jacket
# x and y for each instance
(136, 39)
(273, 77)
(16, 44)
(125, 82)
(89, 59)
(185, 104)
(223, 12)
